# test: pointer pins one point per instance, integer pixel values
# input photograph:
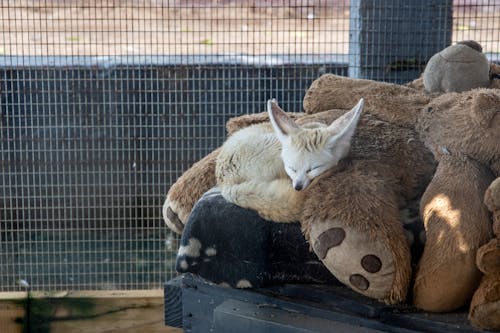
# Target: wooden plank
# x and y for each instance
(84, 311)
(11, 316)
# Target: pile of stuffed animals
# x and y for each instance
(435, 140)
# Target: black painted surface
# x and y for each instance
(205, 304)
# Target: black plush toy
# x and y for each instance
(230, 245)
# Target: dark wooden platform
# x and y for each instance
(200, 306)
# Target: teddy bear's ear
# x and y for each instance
(485, 106)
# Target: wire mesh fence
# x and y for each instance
(105, 103)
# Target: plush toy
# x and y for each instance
(351, 216)
(457, 68)
(485, 305)
(360, 238)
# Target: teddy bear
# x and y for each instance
(462, 130)
(445, 71)
(380, 177)
(443, 147)
(485, 305)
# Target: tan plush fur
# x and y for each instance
(456, 224)
(463, 132)
(182, 195)
(401, 135)
(459, 67)
(381, 99)
(237, 123)
(488, 258)
(366, 196)
(485, 305)
(494, 73)
(492, 198)
(400, 168)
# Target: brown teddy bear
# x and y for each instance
(360, 238)
(446, 70)
(462, 130)
(485, 305)
(354, 227)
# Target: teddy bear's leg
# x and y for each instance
(355, 230)
(457, 223)
(186, 191)
(485, 305)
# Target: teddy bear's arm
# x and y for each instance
(240, 122)
(352, 221)
(397, 104)
(186, 191)
(457, 223)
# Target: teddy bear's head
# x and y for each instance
(467, 123)
(457, 68)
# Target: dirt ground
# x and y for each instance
(180, 27)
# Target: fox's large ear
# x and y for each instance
(342, 131)
(282, 124)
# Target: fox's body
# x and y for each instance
(267, 167)
(251, 174)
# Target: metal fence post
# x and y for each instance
(392, 40)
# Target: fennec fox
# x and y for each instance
(268, 167)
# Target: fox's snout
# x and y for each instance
(299, 185)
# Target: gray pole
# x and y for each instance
(391, 40)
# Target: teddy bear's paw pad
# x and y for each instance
(326, 240)
(171, 217)
(364, 264)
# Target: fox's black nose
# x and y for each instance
(298, 186)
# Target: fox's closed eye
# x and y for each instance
(291, 169)
(314, 168)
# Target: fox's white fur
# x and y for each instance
(266, 167)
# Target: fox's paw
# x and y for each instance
(364, 264)
(172, 215)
